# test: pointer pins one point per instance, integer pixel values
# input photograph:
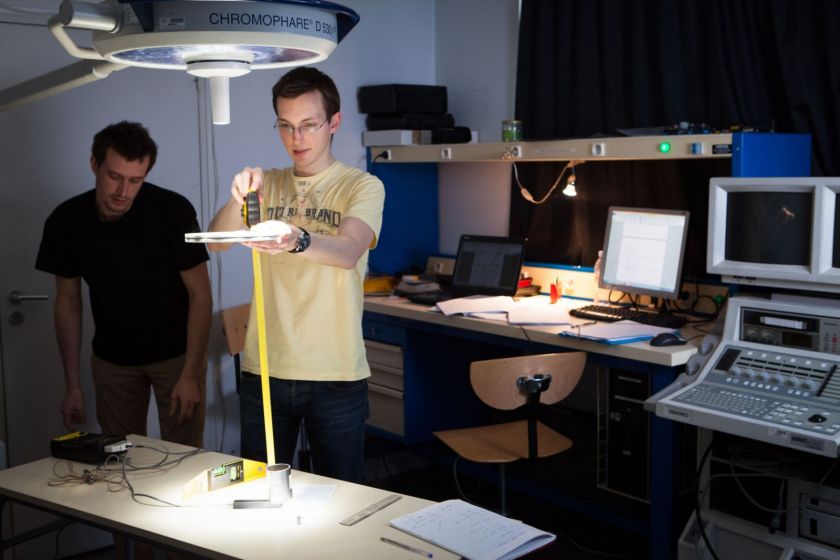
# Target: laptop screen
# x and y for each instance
(488, 265)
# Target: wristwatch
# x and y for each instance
(303, 241)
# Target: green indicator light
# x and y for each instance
(664, 147)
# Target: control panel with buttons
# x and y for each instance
(773, 378)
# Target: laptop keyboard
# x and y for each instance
(611, 314)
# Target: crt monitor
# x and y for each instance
(643, 251)
(775, 231)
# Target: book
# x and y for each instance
(473, 532)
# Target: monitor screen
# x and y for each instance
(769, 227)
(835, 252)
(643, 251)
(488, 265)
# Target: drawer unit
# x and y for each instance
(386, 384)
(387, 410)
(383, 332)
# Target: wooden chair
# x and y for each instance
(507, 384)
(234, 324)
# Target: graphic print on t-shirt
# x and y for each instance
(304, 210)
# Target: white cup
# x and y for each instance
(279, 488)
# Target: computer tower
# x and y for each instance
(625, 463)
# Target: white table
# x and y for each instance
(208, 526)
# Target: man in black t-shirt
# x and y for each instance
(149, 293)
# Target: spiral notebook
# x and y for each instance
(473, 532)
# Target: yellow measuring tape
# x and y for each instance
(263, 348)
(261, 339)
(251, 217)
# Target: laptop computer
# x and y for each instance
(485, 265)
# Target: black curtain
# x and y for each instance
(589, 68)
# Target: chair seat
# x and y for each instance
(502, 443)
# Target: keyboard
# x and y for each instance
(610, 314)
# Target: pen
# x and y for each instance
(407, 547)
(585, 324)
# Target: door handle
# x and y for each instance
(16, 297)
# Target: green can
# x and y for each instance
(511, 131)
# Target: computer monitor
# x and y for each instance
(775, 231)
(643, 251)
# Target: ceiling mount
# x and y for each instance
(215, 39)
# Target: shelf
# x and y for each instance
(688, 146)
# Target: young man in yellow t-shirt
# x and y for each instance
(312, 281)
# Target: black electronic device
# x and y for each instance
(667, 339)
(85, 447)
(612, 313)
(402, 98)
(409, 121)
(627, 445)
(454, 135)
(485, 265)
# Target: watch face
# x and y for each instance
(303, 241)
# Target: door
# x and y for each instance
(37, 171)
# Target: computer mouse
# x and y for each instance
(667, 339)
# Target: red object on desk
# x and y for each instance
(525, 282)
(554, 293)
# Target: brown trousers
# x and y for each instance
(122, 399)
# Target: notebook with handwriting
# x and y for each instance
(473, 532)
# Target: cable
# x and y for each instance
(526, 194)
(381, 154)
(461, 493)
(700, 526)
(114, 472)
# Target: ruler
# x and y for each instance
(371, 509)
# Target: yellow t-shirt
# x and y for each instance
(313, 312)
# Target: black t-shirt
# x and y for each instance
(131, 265)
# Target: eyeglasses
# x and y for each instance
(309, 128)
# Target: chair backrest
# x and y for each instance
(494, 381)
(234, 323)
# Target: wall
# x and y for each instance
(476, 59)
(467, 45)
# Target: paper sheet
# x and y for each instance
(545, 313)
(472, 532)
(620, 332)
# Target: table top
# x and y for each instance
(671, 356)
(207, 525)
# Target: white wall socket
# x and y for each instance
(599, 149)
(516, 151)
(446, 153)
